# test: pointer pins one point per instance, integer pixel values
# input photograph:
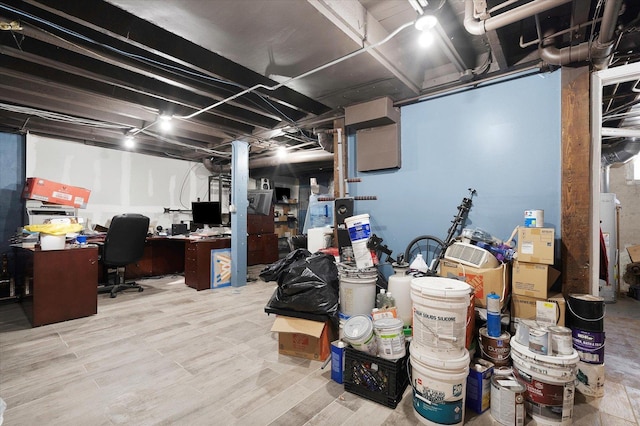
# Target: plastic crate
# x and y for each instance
(374, 378)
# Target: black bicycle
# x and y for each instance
(433, 248)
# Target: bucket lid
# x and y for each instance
(357, 327)
(558, 360)
(427, 359)
(389, 323)
(440, 287)
(357, 218)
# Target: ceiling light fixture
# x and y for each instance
(282, 152)
(165, 122)
(426, 39)
(129, 142)
(426, 22)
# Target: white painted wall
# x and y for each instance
(120, 182)
(628, 193)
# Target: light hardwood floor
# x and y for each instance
(174, 356)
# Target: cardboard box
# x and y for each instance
(54, 192)
(303, 338)
(634, 253)
(533, 279)
(483, 280)
(536, 245)
(551, 309)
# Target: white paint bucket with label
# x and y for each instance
(390, 338)
(358, 331)
(590, 379)
(550, 384)
(357, 290)
(534, 218)
(359, 232)
(440, 317)
(439, 387)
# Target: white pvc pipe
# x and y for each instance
(479, 27)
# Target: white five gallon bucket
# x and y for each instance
(358, 331)
(440, 315)
(52, 242)
(390, 338)
(439, 387)
(550, 384)
(359, 233)
(357, 291)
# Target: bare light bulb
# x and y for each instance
(426, 39)
(426, 22)
(165, 123)
(129, 142)
(282, 152)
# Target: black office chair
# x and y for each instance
(124, 244)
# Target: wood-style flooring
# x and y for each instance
(174, 356)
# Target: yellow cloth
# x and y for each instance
(55, 228)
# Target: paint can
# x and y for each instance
(497, 350)
(590, 379)
(585, 312)
(589, 344)
(358, 331)
(440, 315)
(439, 387)
(390, 338)
(507, 400)
(522, 331)
(550, 384)
(534, 218)
(561, 340)
(478, 396)
(540, 340)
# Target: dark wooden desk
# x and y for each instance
(197, 259)
(57, 285)
(162, 256)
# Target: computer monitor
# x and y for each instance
(206, 213)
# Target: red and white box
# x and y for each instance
(53, 192)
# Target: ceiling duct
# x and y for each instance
(619, 152)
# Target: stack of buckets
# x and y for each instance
(585, 317)
(439, 358)
(547, 374)
(358, 284)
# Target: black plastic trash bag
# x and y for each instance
(276, 269)
(309, 284)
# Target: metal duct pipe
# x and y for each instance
(603, 46)
(479, 27)
(272, 161)
(616, 153)
(599, 51)
(619, 152)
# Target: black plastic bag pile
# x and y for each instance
(307, 283)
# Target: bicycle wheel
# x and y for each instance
(428, 245)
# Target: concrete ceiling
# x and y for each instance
(269, 72)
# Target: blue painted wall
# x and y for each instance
(504, 140)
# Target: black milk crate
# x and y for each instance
(374, 378)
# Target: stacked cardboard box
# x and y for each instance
(532, 277)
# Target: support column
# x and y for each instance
(576, 182)
(239, 203)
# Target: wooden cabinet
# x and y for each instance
(197, 261)
(57, 285)
(262, 242)
(162, 256)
